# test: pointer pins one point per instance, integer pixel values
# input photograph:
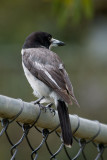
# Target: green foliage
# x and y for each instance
(72, 11)
(18, 18)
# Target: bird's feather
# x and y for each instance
(47, 67)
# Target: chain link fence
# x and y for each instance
(98, 141)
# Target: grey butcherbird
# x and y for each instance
(48, 78)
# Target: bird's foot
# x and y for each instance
(49, 107)
(37, 101)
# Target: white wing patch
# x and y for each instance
(40, 66)
(50, 77)
(61, 66)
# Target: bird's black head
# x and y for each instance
(41, 39)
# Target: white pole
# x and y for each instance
(9, 107)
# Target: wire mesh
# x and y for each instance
(45, 133)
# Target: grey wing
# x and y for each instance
(70, 87)
(51, 75)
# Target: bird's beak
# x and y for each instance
(55, 42)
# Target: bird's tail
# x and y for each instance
(65, 123)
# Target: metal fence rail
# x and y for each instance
(28, 115)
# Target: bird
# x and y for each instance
(48, 77)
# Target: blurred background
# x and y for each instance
(82, 25)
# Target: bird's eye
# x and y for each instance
(49, 38)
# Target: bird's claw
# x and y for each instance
(49, 107)
(37, 101)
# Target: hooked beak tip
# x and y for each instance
(61, 43)
(55, 42)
